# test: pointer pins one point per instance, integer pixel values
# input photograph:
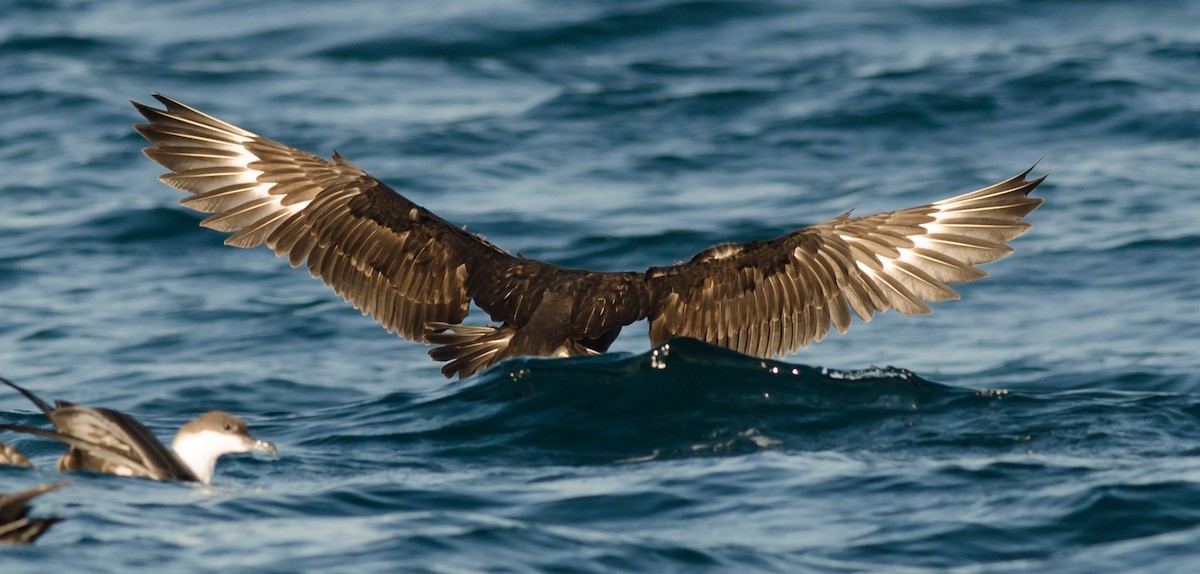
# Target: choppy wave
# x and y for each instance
(682, 399)
(1047, 421)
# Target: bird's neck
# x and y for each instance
(199, 452)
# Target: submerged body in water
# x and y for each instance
(416, 274)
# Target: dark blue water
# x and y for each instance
(1048, 421)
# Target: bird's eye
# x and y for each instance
(227, 426)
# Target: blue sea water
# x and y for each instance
(1048, 421)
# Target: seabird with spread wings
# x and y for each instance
(416, 274)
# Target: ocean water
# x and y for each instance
(1048, 421)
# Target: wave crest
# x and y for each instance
(683, 398)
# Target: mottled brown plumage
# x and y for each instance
(15, 525)
(11, 457)
(416, 274)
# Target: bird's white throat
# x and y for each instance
(200, 450)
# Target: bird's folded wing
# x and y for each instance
(773, 297)
(15, 506)
(123, 434)
(100, 451)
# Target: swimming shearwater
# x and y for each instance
(104, 440)
(416, 274)
(15, 525)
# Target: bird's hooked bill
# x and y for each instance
(264, 446)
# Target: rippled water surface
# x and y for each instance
(1048, 421)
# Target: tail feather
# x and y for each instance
(468, 348)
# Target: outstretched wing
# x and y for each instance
(773, 297)
(389, 257)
